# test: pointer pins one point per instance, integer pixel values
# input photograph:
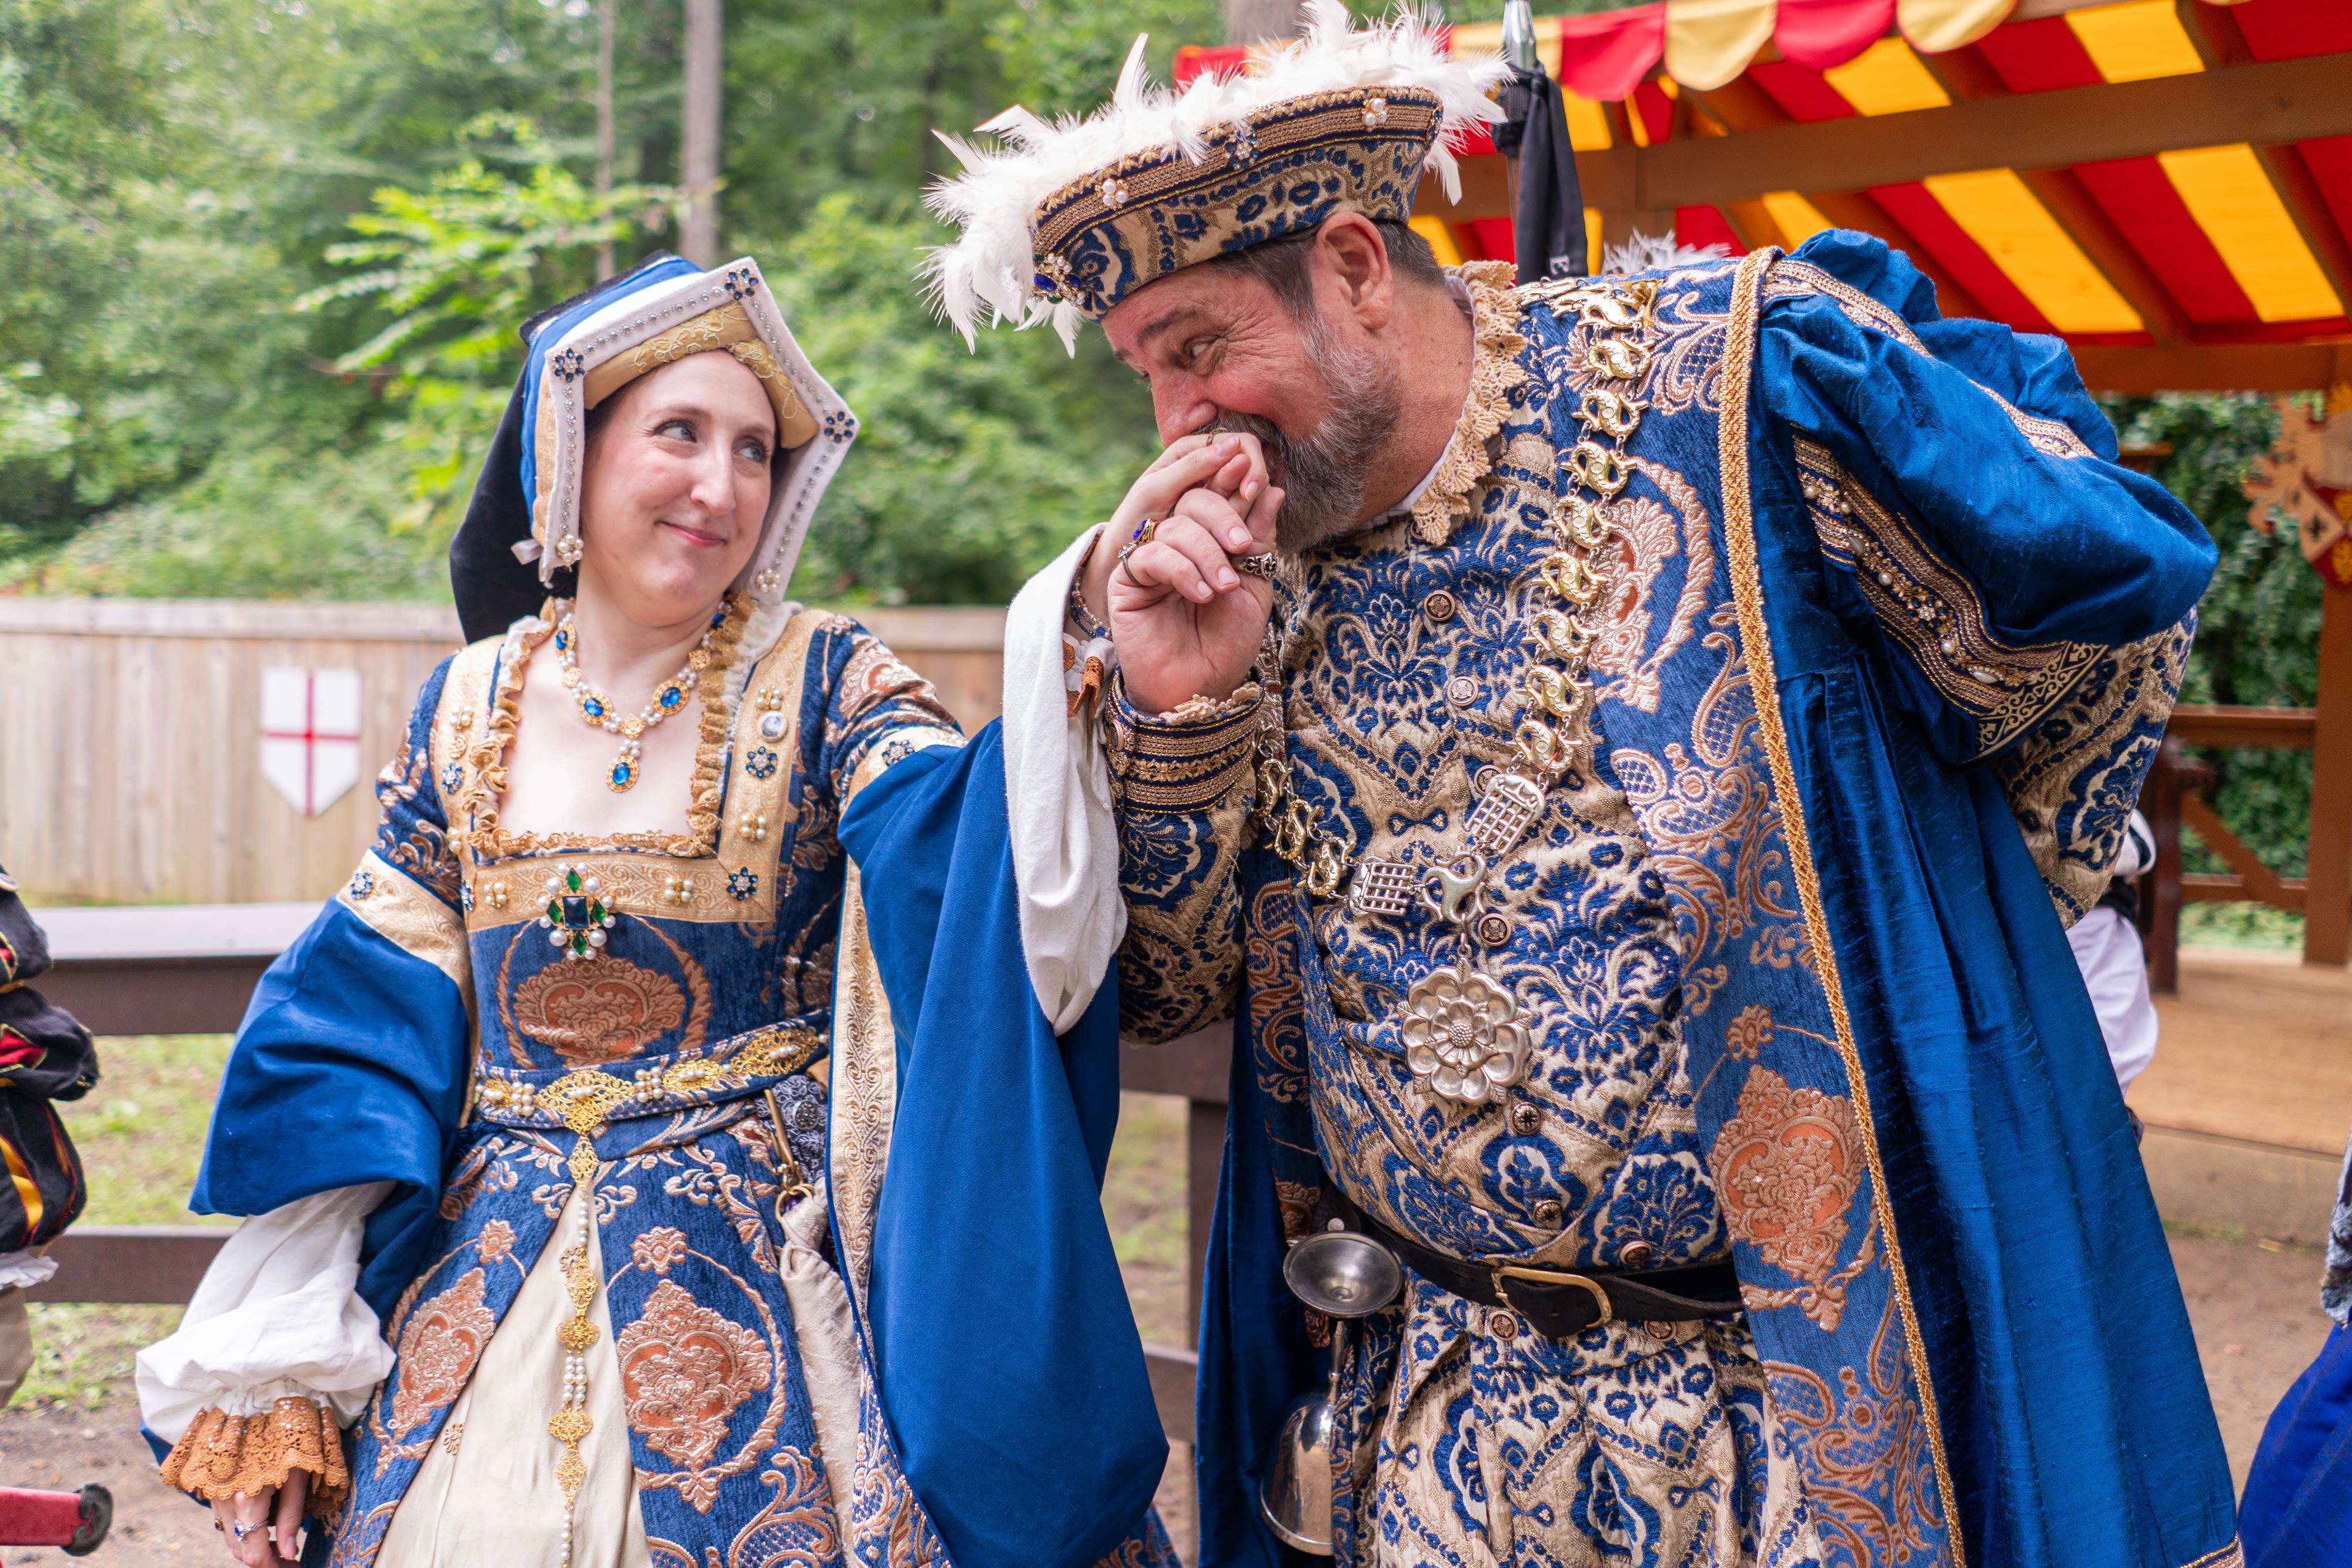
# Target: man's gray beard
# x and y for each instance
(1322, 474)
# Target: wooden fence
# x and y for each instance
(131, 768)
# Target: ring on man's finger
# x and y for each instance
(1261, 565)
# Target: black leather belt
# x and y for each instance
(1557, 1302)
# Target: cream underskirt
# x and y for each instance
(487, 1492)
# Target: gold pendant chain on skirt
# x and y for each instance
(1464, 1035)
(583, 1100)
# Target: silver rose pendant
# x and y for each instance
(1463, 1036)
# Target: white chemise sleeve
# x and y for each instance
(274, 1316)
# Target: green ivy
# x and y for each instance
(2258, 624)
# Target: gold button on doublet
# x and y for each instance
(1461, 691)
(1503, 1325)
(1636, 1255)
(1525, 1120)
(1549, 1212)
(1439, 607)
(1660, 1330)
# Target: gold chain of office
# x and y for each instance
(1554, 733)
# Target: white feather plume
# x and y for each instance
(991, 269)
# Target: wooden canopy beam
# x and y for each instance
(2265, 104)
(2208, 367)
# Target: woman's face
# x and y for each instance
(676, 487)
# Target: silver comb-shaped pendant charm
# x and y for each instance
(1381, 887)
(1501, 818)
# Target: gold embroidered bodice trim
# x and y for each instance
(1494, 372)
(474, 815)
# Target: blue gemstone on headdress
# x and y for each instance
(1044, 285)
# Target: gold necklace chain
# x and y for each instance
(598, 711)
(1463, 1032)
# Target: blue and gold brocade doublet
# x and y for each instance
(1882, 644)
(437, 1014)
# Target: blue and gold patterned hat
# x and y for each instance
(1072, 217)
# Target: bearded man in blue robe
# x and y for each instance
(1624, 752)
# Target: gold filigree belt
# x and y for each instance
(734, 1069)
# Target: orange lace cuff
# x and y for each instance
(223, 1455)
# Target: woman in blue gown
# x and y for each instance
(537, 1122)
(2297, 1508)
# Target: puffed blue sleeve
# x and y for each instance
(1976, 528)
(2027, 600)
(350, 1066)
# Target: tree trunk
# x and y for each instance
(605, 20)
(1252, 21)
(932, 73)
(705, 26)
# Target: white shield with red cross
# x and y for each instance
(310, 734)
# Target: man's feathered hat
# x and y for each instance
(1062, 221)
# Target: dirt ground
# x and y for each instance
(2255, 1310)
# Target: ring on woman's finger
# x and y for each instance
(1145, 531)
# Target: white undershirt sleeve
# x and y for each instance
(276, 1315)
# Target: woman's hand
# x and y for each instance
(1186, 622)
(273, 1520)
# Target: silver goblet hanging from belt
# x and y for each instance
(1345, 1275)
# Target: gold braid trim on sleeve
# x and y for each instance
(1185, 761)
(223, 1455)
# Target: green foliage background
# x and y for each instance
(2258, 624)
(263, 259)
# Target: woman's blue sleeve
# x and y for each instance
(350, 1066)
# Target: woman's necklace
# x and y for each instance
(599, 712)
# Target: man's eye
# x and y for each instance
(1198, 346)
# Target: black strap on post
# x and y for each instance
(1548, 227)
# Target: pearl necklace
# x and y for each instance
(599, 711)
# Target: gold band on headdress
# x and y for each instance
(725, 327)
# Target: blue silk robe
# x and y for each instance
(1885, 642)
